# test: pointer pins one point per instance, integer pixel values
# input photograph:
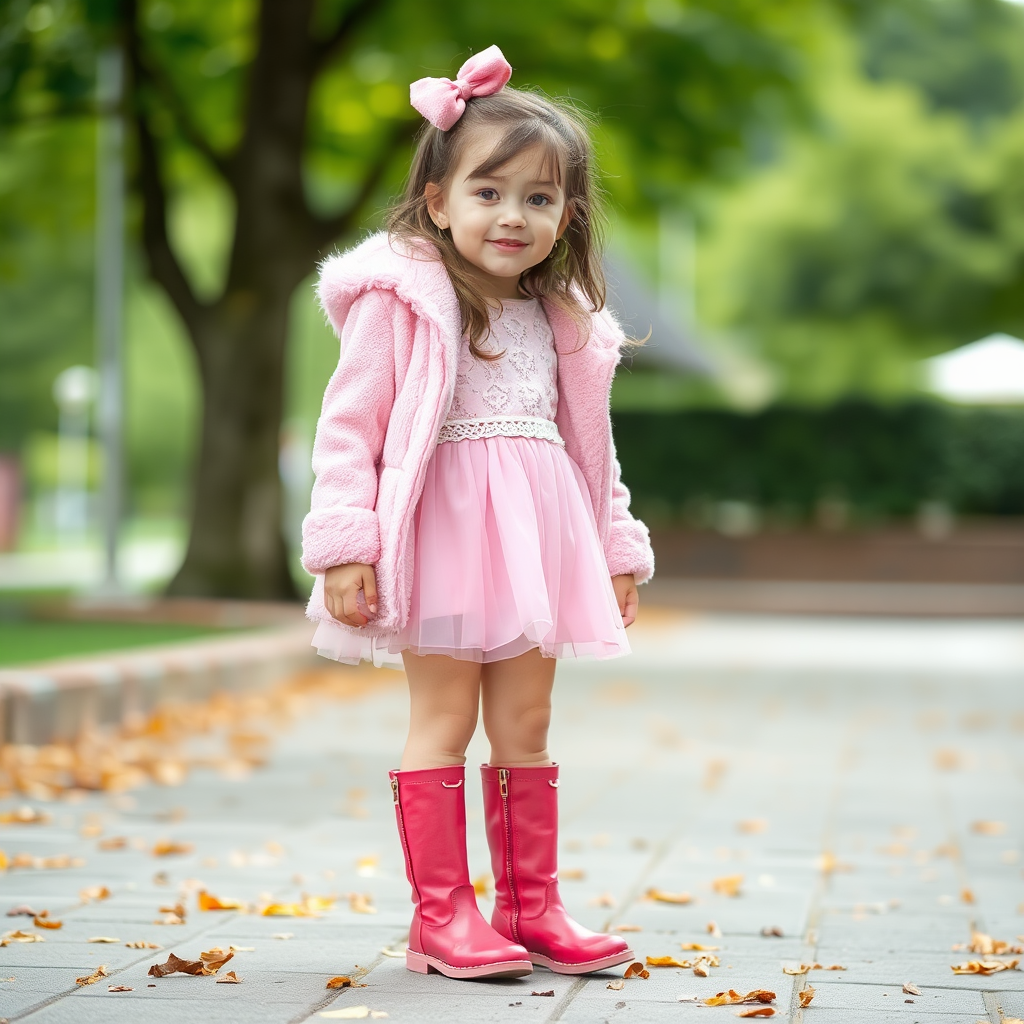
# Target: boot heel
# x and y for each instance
(417, 962)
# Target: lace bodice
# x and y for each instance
(516, 394)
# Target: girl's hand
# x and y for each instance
(341, 585)
(627, 597)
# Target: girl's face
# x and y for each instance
(503, 223)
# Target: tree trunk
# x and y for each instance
(236, 545)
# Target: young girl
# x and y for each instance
(468, 521)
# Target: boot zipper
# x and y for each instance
(509, 874)
(405, 841)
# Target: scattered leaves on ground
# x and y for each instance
(617, 985)
(984, 966)
(910, 989)
(170, 847)
(91, 979)
(94, 893)
(42, 921)
(713, 930)
(727, 885)
(988, 828)
(105, 938)
(22, 910)
(209, 962)
(289, 935)
(24, 816)
(760, 1011)
(752, 825)
(667, 961)
(698, 947)
(967, 895)
(637, 970)
(358, 903)
(806, 995)
(113, 843)
(120, 988)
(732, 997)
(549, 992)
(19, 936)
(661, 896)
(987, 946)
(571, 874)
(627, 928)
(229, 978)
(772, 931)
(344, 981)
(483, 885)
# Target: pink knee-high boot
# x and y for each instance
(448, 933)
(521, 810)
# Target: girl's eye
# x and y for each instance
(487, 194)
(541, 200)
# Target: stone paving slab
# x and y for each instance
(841, 767)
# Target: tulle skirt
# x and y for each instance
(507, 558)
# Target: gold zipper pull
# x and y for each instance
(394, 789)
(503, 782)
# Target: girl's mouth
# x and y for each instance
(507, 244)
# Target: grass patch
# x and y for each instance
(26, 641)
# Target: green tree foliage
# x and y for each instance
(893, 229)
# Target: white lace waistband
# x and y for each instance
(500, 426)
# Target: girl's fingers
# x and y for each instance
(370, 590)
(352, 615)
(632, 602)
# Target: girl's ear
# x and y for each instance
(436, 205)
(563, 223)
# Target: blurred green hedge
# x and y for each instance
(883, 461)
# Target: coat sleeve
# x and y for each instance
(342, 524)
(629, 545)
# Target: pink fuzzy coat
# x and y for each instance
(400, 328)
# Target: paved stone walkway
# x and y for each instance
(863, 777)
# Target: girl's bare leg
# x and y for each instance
(517, 709)
(444, 704)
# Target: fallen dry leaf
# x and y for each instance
(242, 949)
(24, 816)
(802, 969)
(698, 947)
(713, 930)
(94, 893)
(483, 885)
(120, 988)
(104, 938)
(113, 843)
(988, 828)
(668, 897)
(637, 970)
(616, 986)
(343, 981)
(359, 903)
(984, 966)
(91, 979)
(732, 997)
(174, 908)
(667, 961)
(290, 935)
(549, 992)
(229, 978)
(910, 989)
(772, 931)
(701, 969)
(805, 995)
(987, 946)
(19, 936)
(45, 922)
(571, 874)
(760, 1011)
(170, 919)
(627, 928)
(209, 962)
(22, 910)
(727, 885)
(967, 895)
(207, 901)
(752, 825)
(168, 847)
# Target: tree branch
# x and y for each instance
(325, 50)
(327, 229)
(163, 263)
(153, 71)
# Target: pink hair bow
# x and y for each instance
(442, 101)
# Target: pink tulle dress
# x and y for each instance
(507, 555)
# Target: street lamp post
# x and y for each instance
(109, 284)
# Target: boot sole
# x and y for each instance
(557, 967)
(424, 963)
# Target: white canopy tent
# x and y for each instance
(985, 372)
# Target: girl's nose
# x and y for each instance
(512, 216)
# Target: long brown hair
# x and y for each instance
(572, 277)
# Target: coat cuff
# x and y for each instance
(629, 550)
(339, 536)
